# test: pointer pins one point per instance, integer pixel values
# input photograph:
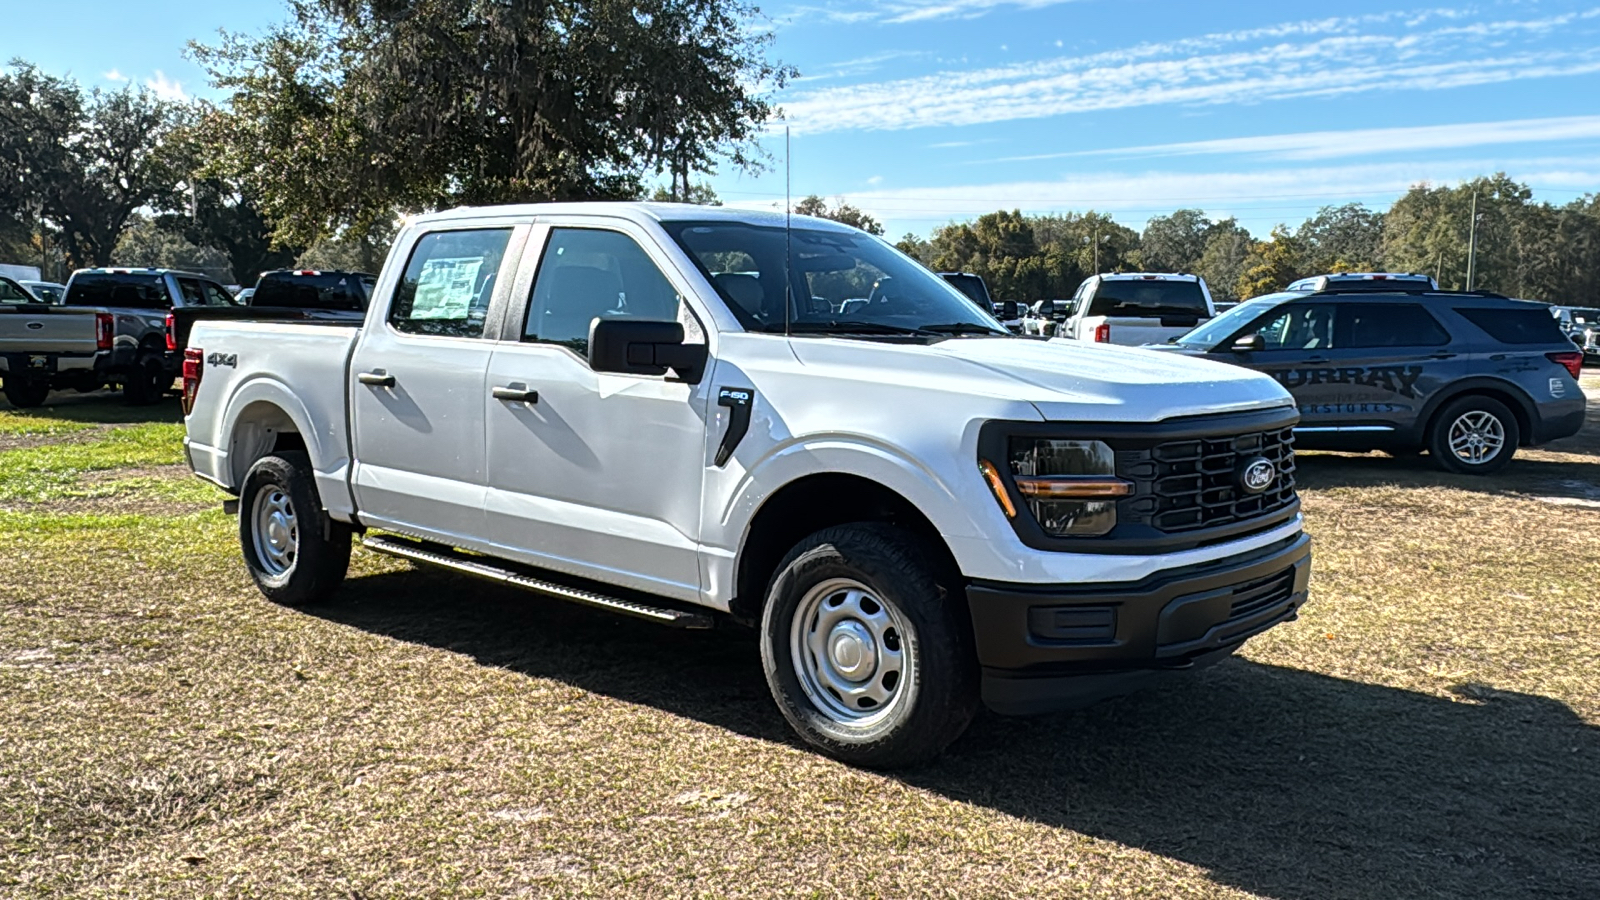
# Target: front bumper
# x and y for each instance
(1047, 647)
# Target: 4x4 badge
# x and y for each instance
(1258, 475)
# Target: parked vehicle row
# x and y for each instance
(683, 413)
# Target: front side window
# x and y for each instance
(1299, 326)
(13, 293)
(192, 294)
(448, 282)
(589, 273)
(809, 280)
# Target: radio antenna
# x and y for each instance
(788, 247)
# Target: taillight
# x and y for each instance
(1572, 359)
(172, 337)
(104, 328)
(194, 365)
(1102, 333)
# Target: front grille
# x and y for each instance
(1191, 485)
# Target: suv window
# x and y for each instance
(1515, 326)
(1389, 325)
(1147, 299)
(1299, 326)
(448, 282)
(324, 290)
(121, 290)
(588, 273)
(11, 292)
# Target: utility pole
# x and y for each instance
(1472, 245)
(1097, 248)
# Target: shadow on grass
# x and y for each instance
(1524, 477)
(102, 407)
(1277, 781)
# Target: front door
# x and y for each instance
(595, 474)
(417, 389)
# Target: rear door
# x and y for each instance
(417, 384)
(1388, 358)
(595, 474)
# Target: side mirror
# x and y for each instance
(636, 347)
(1248, 343)
(1007, 310)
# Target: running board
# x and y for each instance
(486, 567)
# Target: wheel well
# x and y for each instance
(261, 429)
(809, 505)
(1511, 402)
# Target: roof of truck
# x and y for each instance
(639, 212)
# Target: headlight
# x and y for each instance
(1070, 486)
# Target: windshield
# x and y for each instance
(842, 282)
(1582, 316)
(1215, 331)
(1147, 299)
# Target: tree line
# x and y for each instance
(353, 113)
(1527, 249)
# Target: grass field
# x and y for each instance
(1430, 727)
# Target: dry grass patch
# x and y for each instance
(1429, 728)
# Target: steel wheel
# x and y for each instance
(276, 531)
(848, 650)
(1477, 436)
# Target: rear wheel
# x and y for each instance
(867, 649)
(26, 393)
(295, 552)
(1474, 436)
(147, 381)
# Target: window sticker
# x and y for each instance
(446, 287)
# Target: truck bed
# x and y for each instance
(183, 320)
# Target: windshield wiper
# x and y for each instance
(851, 327)
(964, 328)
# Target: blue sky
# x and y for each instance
(924, 111)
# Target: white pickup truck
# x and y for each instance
(1136, 308)
(673, 412)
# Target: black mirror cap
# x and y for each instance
(1248, 343)
(635, 347)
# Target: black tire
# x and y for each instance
(321, 546)
(1487, 411)
(26, 393)
(147, 382)
(934, 693)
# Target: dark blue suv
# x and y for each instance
(1468, 377)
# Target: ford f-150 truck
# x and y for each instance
(1135, 308)
(111, 330)
(688, 415)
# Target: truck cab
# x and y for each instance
(700, 416)
(1136, 308)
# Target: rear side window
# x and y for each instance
(1516, 326)
(1148, 299)
(1389, 325)
(123, 290)
(448, 282)
(11, 292)
(325, 290)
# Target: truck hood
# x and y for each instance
(1063, 380)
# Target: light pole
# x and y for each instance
(1472, 245)
(1096, 241)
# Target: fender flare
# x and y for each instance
(1477, 384)
(268, 390)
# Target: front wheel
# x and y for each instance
(26, 393)
(1474, 436)
(867, 650)
(295, 553)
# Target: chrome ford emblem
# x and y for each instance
(1258, 475)
(36, 325)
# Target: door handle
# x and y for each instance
(1316, 359)
(515, 393)
(1441, 356)
(376, 378)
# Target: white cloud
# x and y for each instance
(1254, 192)
(1313, 145)
(875, 180)
(897, 12)
(114, 75)
(166, 88)
(1314, 58)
